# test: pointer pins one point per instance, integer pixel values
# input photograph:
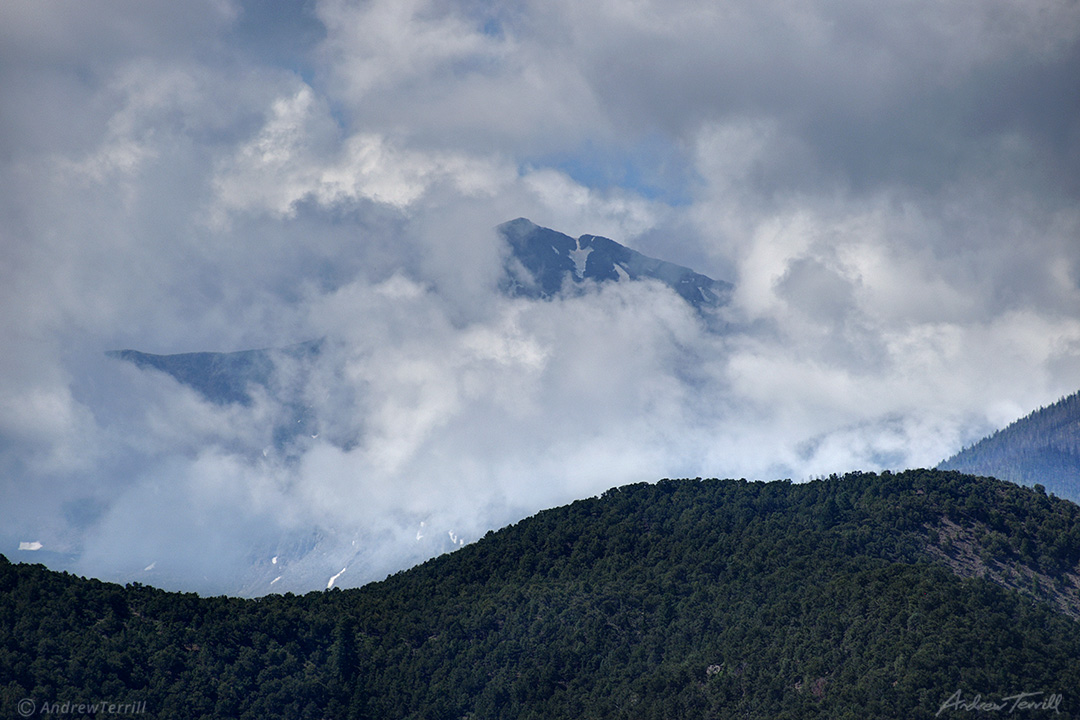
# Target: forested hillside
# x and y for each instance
(1041, 448)
(863, 596)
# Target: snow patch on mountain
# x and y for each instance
(333, 579)
(581, 258)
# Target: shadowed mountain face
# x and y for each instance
(221, 378)
(1042, 448)
(224, 378)
(544, 262)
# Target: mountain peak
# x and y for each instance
(517, 226)
(543, 262)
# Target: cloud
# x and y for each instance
(484, 77)
(380, 45)
(892, 189)
(284, 165)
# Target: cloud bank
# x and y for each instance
(893, 190)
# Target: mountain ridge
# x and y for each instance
(221, 377)
(1041, 448)
(681, 598)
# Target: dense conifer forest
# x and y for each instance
(1043, 447)
(849, 597)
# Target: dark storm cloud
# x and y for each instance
(895, 93)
